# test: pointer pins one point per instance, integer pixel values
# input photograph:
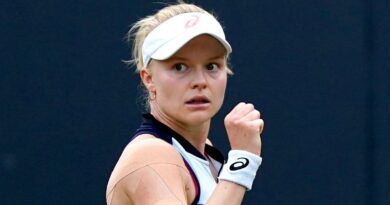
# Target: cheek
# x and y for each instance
(164, 91)
(221, 88)
(168, 88)
(223, 83)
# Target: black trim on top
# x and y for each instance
(196, 183)
(215, 154)
(150, 125)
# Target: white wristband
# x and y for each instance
(241, 168)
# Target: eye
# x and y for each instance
(212, 67)
(180, 67)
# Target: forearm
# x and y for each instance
(227, 193)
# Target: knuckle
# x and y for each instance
(250, 106)
(239, 105)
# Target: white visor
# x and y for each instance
(167, 38)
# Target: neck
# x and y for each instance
(194, 134)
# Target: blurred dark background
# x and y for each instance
(318, 71)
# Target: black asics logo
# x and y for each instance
(241, 163)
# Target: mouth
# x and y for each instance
(198, 100)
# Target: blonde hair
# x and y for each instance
(143, 27)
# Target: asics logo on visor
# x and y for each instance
(192, 22)
(241, 163)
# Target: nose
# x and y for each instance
(199, 80)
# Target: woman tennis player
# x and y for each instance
(181, 55)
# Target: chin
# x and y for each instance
(198, 117)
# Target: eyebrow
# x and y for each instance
(217, 57)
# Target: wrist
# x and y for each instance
(241, 168)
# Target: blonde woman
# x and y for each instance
(181, 56)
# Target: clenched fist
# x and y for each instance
(244, 126)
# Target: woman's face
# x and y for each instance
(189, 86)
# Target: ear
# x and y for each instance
(147, 78)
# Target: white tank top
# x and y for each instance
(201, 168)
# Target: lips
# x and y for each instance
(198, 100)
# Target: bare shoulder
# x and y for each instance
(149, 149)
(146, 165)
(146, 150)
